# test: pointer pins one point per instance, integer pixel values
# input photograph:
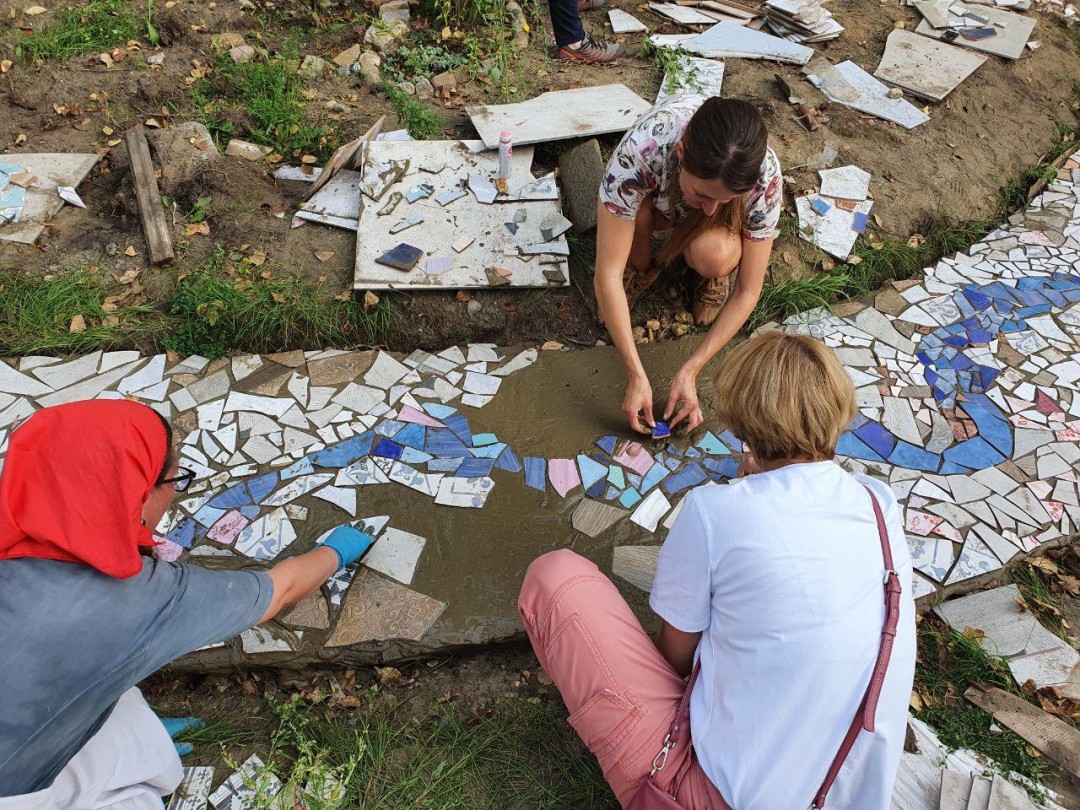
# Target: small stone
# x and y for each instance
(406, 88)
(394, 11)
(348, 56)
(444, 81)
(369, 65)
(336, 107)
(111, 249)
(896, 92)
(473, 307)
(311, 67)
(226, 41)
(424, 89)
(246, 150)
(242, 54)
(384, 40)
(156, 58)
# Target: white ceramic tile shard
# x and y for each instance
(924, 67)
(624, 23)
(725, 40)
(579, 113)
(832, 231)
(194, 790)
(296, 488)
(268, 406)
(61, 375)
(469, 493)
(14, 382)
(850, 85)
(342, 497)
(267, 537)
(41, 201)
(693, 75)
(396, 554)
(845, 182)
(251, 785)
(651, 509)
(385, 371)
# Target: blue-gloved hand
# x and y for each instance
(175, 725)
(349, 543)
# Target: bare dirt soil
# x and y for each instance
(999, 122)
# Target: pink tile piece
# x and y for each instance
(1067, 435)
(563, 473)
(1055, 508)
(1019, 421)
(921, 523)
(949, 532)
(167, 550)
(633, 456)
(410, 414)
(228, 527)
(438, 265)
(1040, 488)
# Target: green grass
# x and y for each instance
(209, 312)
(948, 663)
(1035, 588)
(415, 116)
(97, 26)
(261, 101)
(521, 753)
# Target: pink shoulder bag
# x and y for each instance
(651, 797)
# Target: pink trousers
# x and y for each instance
(620, 692)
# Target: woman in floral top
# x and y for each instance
(699, 177)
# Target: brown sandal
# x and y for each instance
(635, 283)
(710, 295)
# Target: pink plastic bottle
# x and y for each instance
(506, 149)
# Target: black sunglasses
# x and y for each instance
(181, 481)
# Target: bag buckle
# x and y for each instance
(890, 573)
(660, 760)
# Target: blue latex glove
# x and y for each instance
(349, 543)
(175, 725)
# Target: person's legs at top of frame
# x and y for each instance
(572, 42)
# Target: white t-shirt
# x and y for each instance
(782, 574)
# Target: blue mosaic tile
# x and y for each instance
(596, 490)
(444, 465)
(183, 534)
(637, 481)
(611, 493)
(914, 458)
(720, 468)
(250, 510)
(974, 453)
(508, 461)
(343, 453)
(877, 438)
(616, 477)
(850, 445)
(412, 435)
(474, 468)
(607, 444)
(492, 451)
(460, 425)
(671, 463)
(732, 441)
(443, 443)
(710, 444)
(481, 439)
(436, 410)
(387, 449)
(949, 468)
(535, 473)
(629, 497)
(689, 476)
(672, 450)
(991, 423)
(656, 474)
(590, 471)
(410, 455)
(302, 467)
(389, 428)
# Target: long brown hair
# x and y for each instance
(724, 140)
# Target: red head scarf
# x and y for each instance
(74, 483)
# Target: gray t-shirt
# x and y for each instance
(72, 640)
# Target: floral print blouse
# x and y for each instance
(646, 164)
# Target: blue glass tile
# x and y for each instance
(731, 440)
(616, 477)
(689, 476)
(858, 421)
(343, 453)
(630, 497)
(991, 423)
(850, 445)
(877, 438)
(721, 468)
(656, 474)
(250, 510)
(234, 496)
(590, 471)
(974, 453)
(535, 473)
(672, 450)
(914, 458)
(207, 516)
(1029, 283)
(262, 485)
(183, 534)
(672, 463)
(635, 480)
(412, 435)
(389, 428)
(492, 451)
(474, 468)
(980, 336)
(1038, 309)
(692, 452)
(410, 455)
(596, 490)
(460, 425)
(481, 439)
(387, 449)
(302, 467)
(950, 468)
(712, 445)
(607, 444)
(437, 410)
(443, 443)
(508, 461)
(445, 465)
(959, 341)
(599, 458)
(611, 493)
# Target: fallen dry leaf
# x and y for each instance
(551, 346)
(20, 138)
(5, 65)
(78, 324)
(198, 228)
(307, 159)
(324, 255)
(130, 275)
(33, 11)
(105, 59)
(107, 130)
(370, 300)
(258, 258)
(129, 251)
(113, 142)
(463, 297)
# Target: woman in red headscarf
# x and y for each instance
(84, 616)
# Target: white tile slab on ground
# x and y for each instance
(850, 85)
(831, 231)
(845, 183)
(194, 790)
(684, 15)
(578, 113)
(472, 235)
(923, 66)
(692, 74)
(396, 555)
(725, 40)
(251, 784)
(1013, 31)
(41, 202)
(623, 22)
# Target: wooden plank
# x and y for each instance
(1055, 739)
(579, 113)
(152, 213)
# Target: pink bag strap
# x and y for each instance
(864, 718)
(682, 717)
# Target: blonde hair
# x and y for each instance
(785, 396)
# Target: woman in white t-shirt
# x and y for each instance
(774, 585)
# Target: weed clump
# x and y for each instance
(98, 26)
